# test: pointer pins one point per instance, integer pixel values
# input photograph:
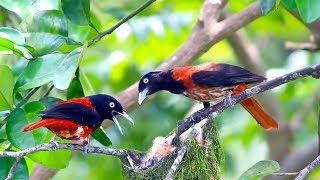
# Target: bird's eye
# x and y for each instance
(111, 104)
(145, 80)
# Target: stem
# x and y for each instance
(26, 99)
(48, 92)
(119, 23)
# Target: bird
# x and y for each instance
(76, 118)
(209, 83)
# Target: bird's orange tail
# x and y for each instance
(254, 108)
(34, 125)
(259, 114)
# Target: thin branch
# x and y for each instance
(48, 92)
(13, 167)
(319, 132)
(52, 147)
(26, 99)
(305, 171)
(119, 23)
(285, 174)
(177, 162)
(310, 46)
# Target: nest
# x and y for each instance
(198, 163)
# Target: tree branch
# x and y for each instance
(119, 23)
(304, 172)
(177, 162)
(13, 167)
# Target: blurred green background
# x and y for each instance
(137, 47)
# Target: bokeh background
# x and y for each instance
(121, 58)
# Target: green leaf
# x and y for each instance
(75, 89)
(65, 71)
(101, 136)
(46, 43)
(267, 5)
(12, 34)
(48, 101)
(260, 169)
(86, 85)
(13, 42)
(6, 88)
(38, 72)
(290, 4)
(308, 9)
(31, 110)
(77, 11)
(21, 172)
(16, 121)
(51, 21)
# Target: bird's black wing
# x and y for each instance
(225, 75)
(75, 112)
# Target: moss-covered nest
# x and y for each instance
(198, 163)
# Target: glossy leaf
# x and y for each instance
(101, 136)
(16, 121)
(43, 43)
(75, 89)
(12, 34)
(86, 85)
(308, 9)
(6, 88)
(21, 172)
(8, 47)
(38, 72)
(51, 21)
(260, 169)
(77, 11)
(66, 69)
(267, 5)
(48, 101)
(290, 4)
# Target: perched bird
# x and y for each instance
(76, 118)
(209, 83)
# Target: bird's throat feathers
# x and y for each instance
(164, 81)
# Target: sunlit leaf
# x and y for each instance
(260, 169)
(12, 34)
(67, 68)
(6, 88)
(308, 9)
(86, 85)
(101, 136)
(45, 43)
(77, 11)
(21, 171)
(38, 72)
(51, 21)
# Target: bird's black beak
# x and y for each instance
(143, 95)
(125, 115)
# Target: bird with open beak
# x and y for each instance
(76, 118)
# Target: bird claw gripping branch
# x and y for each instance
(75, 119)
(208, 82)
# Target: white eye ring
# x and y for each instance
(111, 104)
(145, 80)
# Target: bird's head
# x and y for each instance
(149, 84)
(153, 82)
(108, 108)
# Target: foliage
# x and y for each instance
(44, 43)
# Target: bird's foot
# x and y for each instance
(85, 143)
(228, 101)
(53, 141)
